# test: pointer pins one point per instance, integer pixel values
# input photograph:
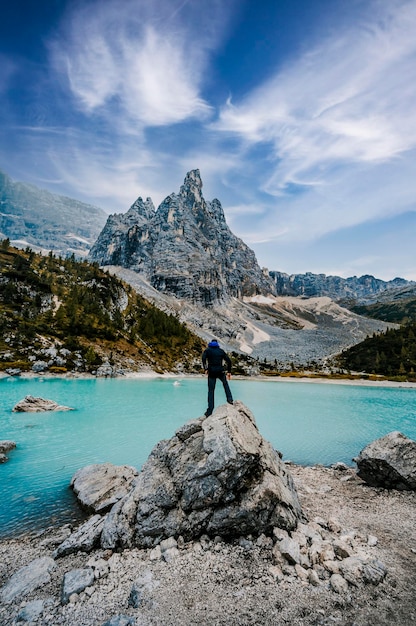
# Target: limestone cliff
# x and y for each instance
(184, 248)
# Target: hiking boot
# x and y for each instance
(207, 413)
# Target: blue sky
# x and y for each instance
(300, 115)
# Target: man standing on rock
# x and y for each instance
(213, 363)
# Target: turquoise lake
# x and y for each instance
(120, 420)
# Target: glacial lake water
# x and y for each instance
(120, 420)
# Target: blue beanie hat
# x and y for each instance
(213, 344)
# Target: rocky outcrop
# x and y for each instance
(362, 289)
(217, 475)
(389, 462)
(6, 446)
(30, 404)
(185, 248)
(98, 487)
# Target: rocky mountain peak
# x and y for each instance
(185, 247)
(141, 209)
(192, 183)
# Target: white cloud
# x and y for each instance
(350, 100)
(142, 59)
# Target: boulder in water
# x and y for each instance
(5, 446)
(30, 404)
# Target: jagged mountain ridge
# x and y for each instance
(183, 256)
(34, 217)
(363, 290)
(184, 248)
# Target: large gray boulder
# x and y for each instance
(98, 487)
(30, 404)
(389, 462)
(216, 475)
(27, 579)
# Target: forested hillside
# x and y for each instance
(71, 315)
(392, 353)
(400, 311)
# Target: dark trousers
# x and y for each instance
(212, 380)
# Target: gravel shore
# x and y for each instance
(216, 583)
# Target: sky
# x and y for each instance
(299, 114)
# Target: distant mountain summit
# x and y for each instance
(34, 217)
(364, 289)
(184, 248)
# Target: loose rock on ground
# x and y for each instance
(213, 582)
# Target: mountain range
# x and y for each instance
(34, 217)
(184, 259)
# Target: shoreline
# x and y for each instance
(150, 374)
(234, 583)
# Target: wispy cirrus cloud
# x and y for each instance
(144, 59)
(330, 121)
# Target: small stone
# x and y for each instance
(276, 572)
(155, 554)
(338, 583)
(76, 581)
(301, 572)
(31, 611)
(331, 566)
(280, 533)
(327, 553)
(245, 543)
(170, 554)
(290, 550)
(340, 467)
(313, 578)
(334, 525)
(372, 541)
(374, 572)
(166, 544)
(342, 549)
(264, 542)
(352, 569)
